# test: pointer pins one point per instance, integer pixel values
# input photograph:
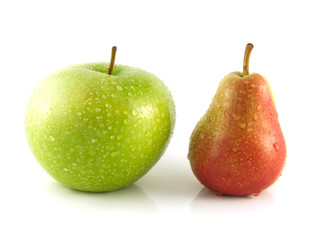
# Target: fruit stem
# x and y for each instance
(246, 59)
(113, 57)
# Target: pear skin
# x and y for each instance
(237, 148)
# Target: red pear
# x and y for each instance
(237, 147)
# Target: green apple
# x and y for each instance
(99, 127)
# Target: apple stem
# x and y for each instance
(113, 57)
(246, 59)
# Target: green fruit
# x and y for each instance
(93, 131)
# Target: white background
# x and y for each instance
(191, 46)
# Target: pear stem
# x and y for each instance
(246, 59)
(113, 57)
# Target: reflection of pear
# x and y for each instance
(237, 147)
(205, 203)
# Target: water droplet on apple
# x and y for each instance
(253, 85)
(125, 112)
(249, 129)
(276, 146)
(98, 110)
(111, 137)
(113, 154)
(108, 105)
(119, 87)
(255, 117)
(65, 169)
(78, 113)
(242, 125)
(52, 139)
(126, 121)
(130, 94)
(134, 112)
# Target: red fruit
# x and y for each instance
(237, 148)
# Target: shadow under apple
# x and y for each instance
(131, 199)
(170, 179)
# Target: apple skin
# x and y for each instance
(237, 148)
(97, 132)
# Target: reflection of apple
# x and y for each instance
(139, 202)
(95, 127)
